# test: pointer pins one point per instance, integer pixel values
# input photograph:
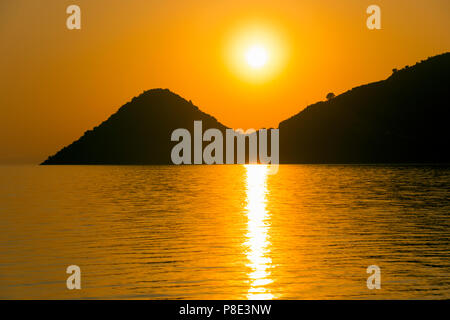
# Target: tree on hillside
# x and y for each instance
(330, 96)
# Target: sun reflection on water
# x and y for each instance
(257, 239)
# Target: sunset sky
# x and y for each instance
(56, 83)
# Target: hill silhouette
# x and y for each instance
(138, 133)
(403, 119)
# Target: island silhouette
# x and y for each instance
(138, 133)
(402, 119)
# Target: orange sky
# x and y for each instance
(55, 83)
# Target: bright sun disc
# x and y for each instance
(256, 52)
(256, 57)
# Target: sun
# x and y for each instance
(256, 52)
(256, 56)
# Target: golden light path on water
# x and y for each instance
(257, 239)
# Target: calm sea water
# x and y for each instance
(225, 232)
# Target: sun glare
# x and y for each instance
(256, 52)
(256, 56)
